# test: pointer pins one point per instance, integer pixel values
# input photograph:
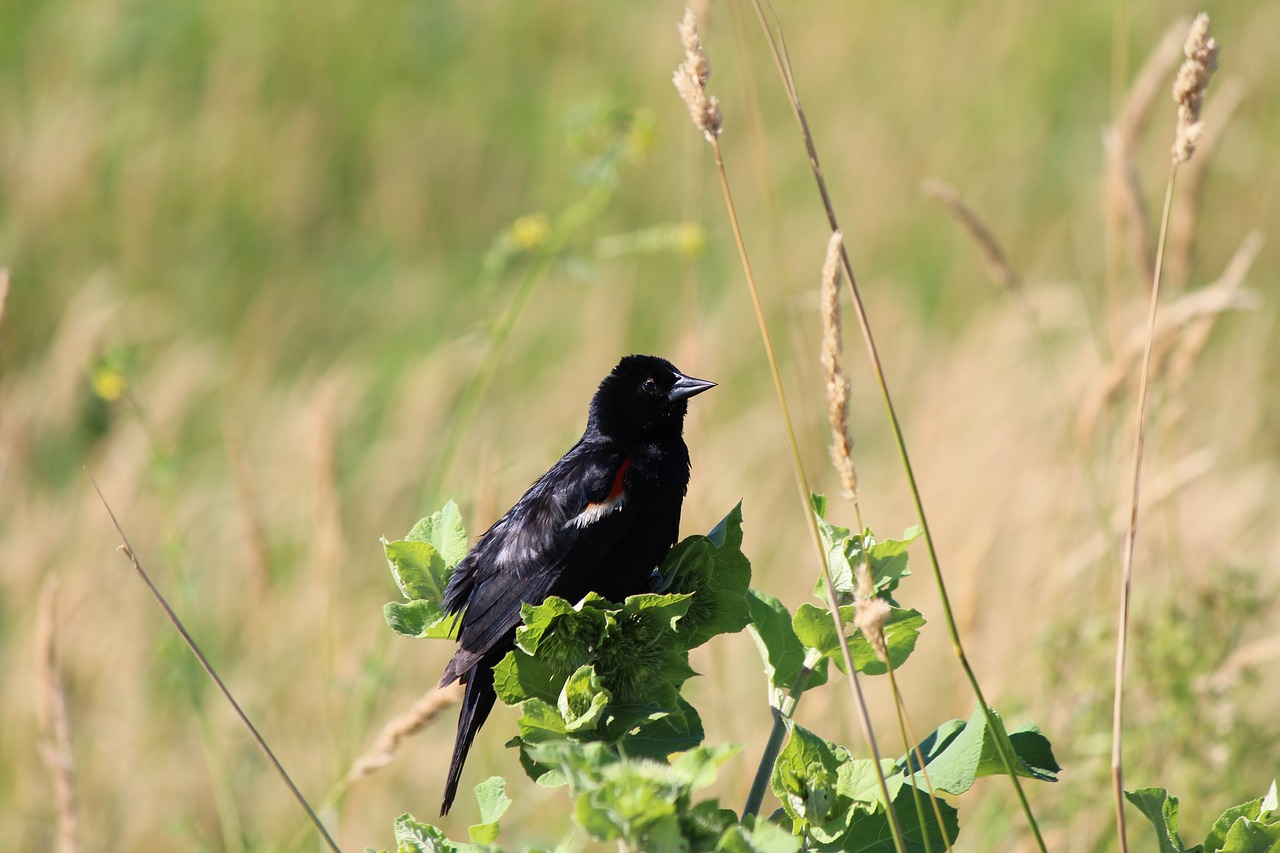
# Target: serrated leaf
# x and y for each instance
(815, 629)
(1251, 836)
(414, 837)
(714, 571)
(959, 753)
(779, 647)
(444, 530)
(664, 732)
(1252, 827)
(869, 831)
(1217, 837)
(491, 794)
(1162, 811)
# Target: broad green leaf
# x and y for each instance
(421, 619)
(761, 837)
(418, 569)
(886, 560)
(520, 676)
(715, 572)
(869, 830)
(779, 647)
(539, 722)
(959, 753)
(421, 574)
(814, 627)
(492, 796)
(806, 780)
(665, 732)
(414, 837)
(1251, 836)
(1162, 810)
(698, 767)
(705, 823)
(583, 700)
(577, 630)
(1252, 827)
(444, 530)
(835, 541)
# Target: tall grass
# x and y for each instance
(269, 223)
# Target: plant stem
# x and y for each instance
(783, 65)
(802, 484)
(777, 735)
(1131, 535)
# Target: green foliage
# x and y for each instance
(1252, 827)
(421, 564)
(598, 685)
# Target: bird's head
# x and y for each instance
(644, 399)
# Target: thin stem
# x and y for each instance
(209, 670)
(1131, 535)
(802, 484)
(782, 62)
(777, 735)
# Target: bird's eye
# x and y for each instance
(649, 386)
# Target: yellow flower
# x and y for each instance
(531, 231)
(108, 382)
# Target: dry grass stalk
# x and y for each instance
(1179, 335)
(4, 293)
(1125, 211)
(1201, 51)
(55, 721)
(401, 727)
(871, 612)
(1188, 92)
(691, 78)
(998, 266)
(837, 383)
(1184, 218)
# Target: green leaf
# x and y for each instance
(414, 837)
(698, 767)
(714, 571)
(887, 560)
(665, 732)
(1162, 810)
(779, 647)
(643, 660)
(421, 619)
(583, 700)
(760, 837)
(421, 573)
(959, 753)
(806, 779)
(444, 530)
(869, 831)
(814, 627)
(491, 794)
(1250, 827)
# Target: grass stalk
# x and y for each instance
(691, 79)
(128, 551)
(1201, 52)
(783, 64)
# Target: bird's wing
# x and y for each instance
(552, 538)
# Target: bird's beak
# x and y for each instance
(687, 386)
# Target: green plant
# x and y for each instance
(599, 688)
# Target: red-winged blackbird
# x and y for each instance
(600, 520)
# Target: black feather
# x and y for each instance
(599, 521)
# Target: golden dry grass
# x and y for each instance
(295, 268)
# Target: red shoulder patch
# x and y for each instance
(618, 488)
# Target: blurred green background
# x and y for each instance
(285, 276)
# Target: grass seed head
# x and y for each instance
(1201, 51)
(691, 78)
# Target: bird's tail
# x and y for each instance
(477, 702)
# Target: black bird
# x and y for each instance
(599, 521)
